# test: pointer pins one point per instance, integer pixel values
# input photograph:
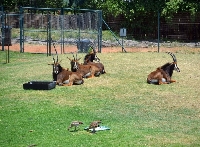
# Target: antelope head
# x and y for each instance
(74, 63)
(92, 54)
(176, 68)
(56, 64)
(96, 58)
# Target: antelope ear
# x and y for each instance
(78, 59)
(60, 61)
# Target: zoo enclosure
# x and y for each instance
(66, 27)
(63, 26)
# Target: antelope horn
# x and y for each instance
(55, 51)
(73, 55)
(54, 60)
(94, 50)
(53, 56)
(173, 56)
(93, 46)
(69, 59)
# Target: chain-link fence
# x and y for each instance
(67, 28)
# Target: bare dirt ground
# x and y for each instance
(34, 48)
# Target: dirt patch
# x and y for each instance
(34, 48)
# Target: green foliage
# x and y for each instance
(107, 35)
(135, 13)
(114, 7)
(139, 13)
(11, 5)
(174, 6)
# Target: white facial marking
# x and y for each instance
(176, 68)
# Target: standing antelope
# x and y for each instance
(163, 74)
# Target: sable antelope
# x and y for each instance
(64, 77)
(68, 78)
(100, 66)
(87, 71)
(75, 124)
(90, 57)
(94, 125)
(163, 74)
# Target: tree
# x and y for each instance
(174, 6)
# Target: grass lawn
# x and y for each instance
(137, 113)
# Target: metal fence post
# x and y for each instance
(158, 31)
(62, 30)
(3, 29)
(100, 31)
(49, 34)
(50, 39)
(21, 30)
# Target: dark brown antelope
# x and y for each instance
(87, 71)
(100, 66)
(91, 57)
(64, 77)
(163, 74)
(68, 78)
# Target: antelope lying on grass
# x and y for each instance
(90, 57)
(64, 77)
(163, 74)
(68, 78)
(100, 66)
(87, 71)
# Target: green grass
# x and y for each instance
(137, 113)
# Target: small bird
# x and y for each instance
(94, 125)
(75, 124)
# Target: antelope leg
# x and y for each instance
(172, 81)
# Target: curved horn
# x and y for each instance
(69, 59)
(94, 50)
(93, 46)
(54, 60)
(73, 55)
(55, 51)
(173, 56)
